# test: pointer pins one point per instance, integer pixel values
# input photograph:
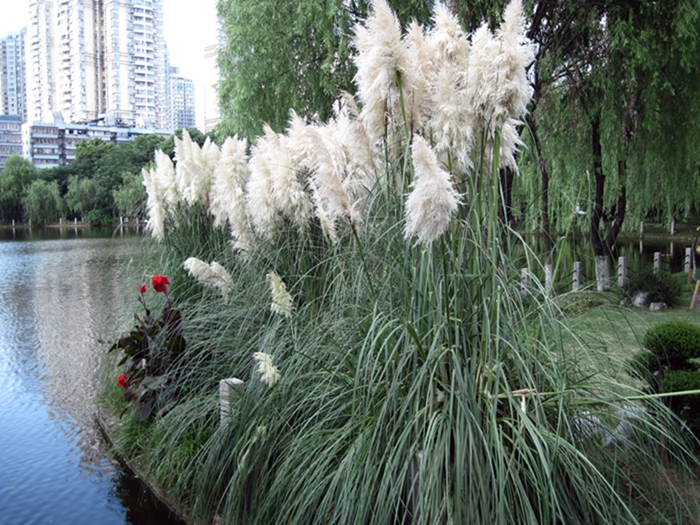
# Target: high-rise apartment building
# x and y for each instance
(182, 104)
(12, 75)
(91, 58)
(211, 89)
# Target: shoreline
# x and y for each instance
(104, 424)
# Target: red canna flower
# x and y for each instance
(143, 288)
(123, 381)
(160, 283)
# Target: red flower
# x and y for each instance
(160, 283)
(123, 381)
(143, 288)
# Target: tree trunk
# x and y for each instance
(545, 224)
(603, 247)
(602, 272)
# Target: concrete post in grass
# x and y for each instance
(657, 262)
(525, 281)
(578, 270)
(230, 391)
(621, 271)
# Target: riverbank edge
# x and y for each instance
(106, 422)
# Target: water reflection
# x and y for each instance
(57, 297)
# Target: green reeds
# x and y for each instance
(442, 395)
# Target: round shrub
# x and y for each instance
(674, 342)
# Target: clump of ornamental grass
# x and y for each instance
(395, 371)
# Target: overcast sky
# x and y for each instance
(189, 26)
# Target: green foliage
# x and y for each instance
(82, 195)
(671, 365)
(417, 383)
(15, 180)
(98, 218)
(629, 69)
(43, 202)
(130, 197)
(580, 302)
(660, 287)
(674, 342)
(279, 56)
(686, 406)
(394, 353)
(151, 351)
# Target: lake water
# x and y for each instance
(61, 291)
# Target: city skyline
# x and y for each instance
(187, 32)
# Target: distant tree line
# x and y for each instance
(103, 183)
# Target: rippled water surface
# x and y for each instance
(58, 296)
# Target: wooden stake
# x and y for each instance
(695, 295)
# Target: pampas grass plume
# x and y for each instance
(281, 300)
(268, 372)
(433, 201)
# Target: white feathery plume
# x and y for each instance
(329, 195)
(156, 212)
(300, 150)
(451, 120)
(433, 201)
(282, 302)
(381, 57)
(358, 169)
(288, 195)
(165, 172)
(183, 149)
(201, 166)
(259, 199)
(417, 76)
(360, 152)
(268, 372)
(498, 85)
(514, 91)
(210, 275)
(227, 196)
(510, 144)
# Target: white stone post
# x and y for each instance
(230, 391)
(673, 226)
(525, 281)
(657, 262)
(688, 255)
(621, 271)
(578, 266)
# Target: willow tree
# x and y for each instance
(279, 56)
(613, 87)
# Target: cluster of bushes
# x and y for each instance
(672, 364)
